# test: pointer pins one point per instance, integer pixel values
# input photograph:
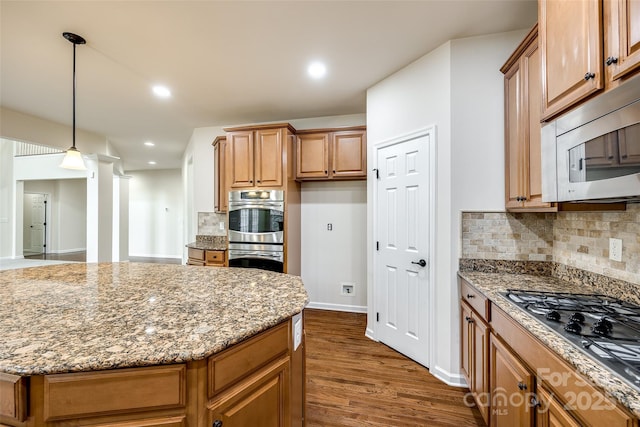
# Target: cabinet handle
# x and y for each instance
(522, 386)
(535, 402)
(589, 76)
(612, 60)
(325, 172)
(469, 296)
(468, 319)
(217, 423)
(334, 171)
(258, 181)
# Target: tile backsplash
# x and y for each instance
(575, 239)
(209, 224)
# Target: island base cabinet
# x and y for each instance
(260, 401)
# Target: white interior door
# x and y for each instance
(403, 225)
(34, 223)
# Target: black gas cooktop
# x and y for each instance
(605, 328)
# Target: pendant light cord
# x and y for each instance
(74, 97)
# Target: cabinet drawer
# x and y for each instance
(178, 421)
(196, 253)
(14, 397)
(475, 299)
(215, 257)
(103, 393)
(243, 359)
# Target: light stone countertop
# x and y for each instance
(81, 317)
(491, 284)
(208, 246)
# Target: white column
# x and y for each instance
(100, 208)
(121, 218)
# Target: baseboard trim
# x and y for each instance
(455, 380)
(12, 257)
(155, 256)
(67, 251)
(338, 307)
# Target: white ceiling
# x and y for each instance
(226, 62)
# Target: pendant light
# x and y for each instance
(73, 158)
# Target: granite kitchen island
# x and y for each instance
(129, 344)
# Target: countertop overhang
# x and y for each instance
(492, 284)
(82, 317)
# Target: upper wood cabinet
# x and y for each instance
(523, 163)
(586, 46)
(220, 190)
(323, 154)
(255, 156)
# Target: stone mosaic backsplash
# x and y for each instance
(209, 224)
(573, 239)
(506, 236)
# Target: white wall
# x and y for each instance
(156, 213)
(7, 199)
(68, 210)
(458, 88)
(330, 258)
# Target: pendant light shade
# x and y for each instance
(73, 158)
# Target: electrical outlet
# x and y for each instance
(221, 226)
(347, 289)
(297, 331)
(615, 249)
(329, 226)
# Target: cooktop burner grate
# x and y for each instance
(605, 328)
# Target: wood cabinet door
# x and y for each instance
(239, 159)
(349, 154)
(513, 137)
(571, 52)
(261, 401)
(220, 192)
(532, 110)
(551, 413)
(466, 346)
(312, 155)
(622, 26)
(511, 385)
(480, 361)
(268, 158)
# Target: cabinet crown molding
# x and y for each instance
(261, 127)
(524, 45)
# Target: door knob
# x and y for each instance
(421, 263)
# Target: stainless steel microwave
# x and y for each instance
(593, 152)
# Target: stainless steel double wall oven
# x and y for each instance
(256, 229)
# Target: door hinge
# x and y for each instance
(377, 246)
(377, 173)
(377, 317)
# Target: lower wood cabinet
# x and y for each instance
(528, 383)
(208, 257)
(511, 385)
(550, 412)
(261, 400)
(475, 352)
(258, 382)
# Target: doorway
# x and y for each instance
(35, 233)
(404, 218)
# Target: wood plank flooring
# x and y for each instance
(354, 381)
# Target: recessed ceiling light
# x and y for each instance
(317, 70)
(149, 144)
(161, 91)
(152, 162)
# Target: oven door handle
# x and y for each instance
(258, 254)
(275, 205)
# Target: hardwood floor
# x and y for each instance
(354, 381)
(82, 257)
